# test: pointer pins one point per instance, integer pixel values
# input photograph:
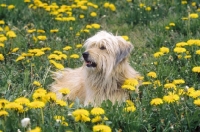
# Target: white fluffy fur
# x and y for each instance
(95, 84)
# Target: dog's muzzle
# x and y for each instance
(88, 62)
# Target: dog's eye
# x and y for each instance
(102, 48)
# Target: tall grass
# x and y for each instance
(37, 37)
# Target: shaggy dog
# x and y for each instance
(104, 70)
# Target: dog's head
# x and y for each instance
(105, 51)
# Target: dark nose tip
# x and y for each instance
(85, 54)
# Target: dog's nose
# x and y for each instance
(85, 54)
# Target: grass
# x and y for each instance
(165, 35)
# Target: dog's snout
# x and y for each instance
(85, 54)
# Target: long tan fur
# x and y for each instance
(105, 69)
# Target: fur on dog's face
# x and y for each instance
(105, 51)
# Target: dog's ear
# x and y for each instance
(125, 49)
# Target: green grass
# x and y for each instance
(148, 30)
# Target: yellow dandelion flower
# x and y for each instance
(50, 96)
(1, 45)
(112, 7)
(67, 48)
(197, 102)
(38, 96)
(125, 38)
(129, 103)
(3, 38)
(197, 52)
(36, 104)
(2, 22)
(181, 44)
(130, 109)
(194, 15)
(131, 81)
(148, 8)
(20, 58)
(158, 54)
(97, 111)
(128, 87)
(171, 24)
(74, 56)
(11, 34)
(196, 69)
(40, 53)
(14, 106)
(84, 7)
(36, 83)
(37, 129)
(79, 46)
(164, 50)
(194, 94)
(15, 50)
(31, 30)
(3, 102)
(93, 14)
(171, 98)
(81, 115)
(167, 27)
(40, 90)
(64, 123)
(81, 16)
(54, 30)
(61, 102)
(101, 128)
(10, 7)
(63, 56)
(152, 74)
(95, 25)
(64, 91)
(179, 50)
(156, 101)
(42, 38)
(45, 48)
(40, 31)
(1, 57)
(22, 100)
(170, 85)
(96, 119)
(3, 113)
(59, 118)
(178, 81)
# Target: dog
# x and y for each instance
(102, 74)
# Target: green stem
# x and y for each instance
(42, 115)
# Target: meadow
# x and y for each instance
(38, 37)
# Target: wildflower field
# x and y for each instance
(41, 36)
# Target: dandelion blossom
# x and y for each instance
(101, 128)
(81, 115)
(64, 91)
(171, 98)
(179, 50)
(130, 109)
(97, 111)
(3, 113)
(169, 85)
(194, 15)
(197, 102)
(178, 81)
(1, 57)
(164, 50)
(36, 104)
(152, 74)
(158, 54)
(156, 101)
(196, 69)
(128, 87)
